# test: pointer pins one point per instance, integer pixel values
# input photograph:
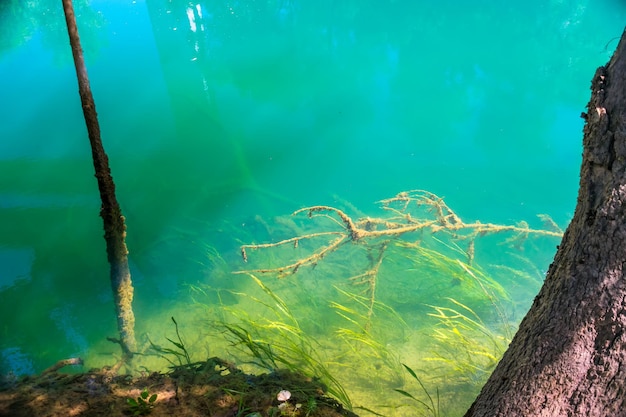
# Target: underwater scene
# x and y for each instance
(366, 192)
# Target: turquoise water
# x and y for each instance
(216, 115)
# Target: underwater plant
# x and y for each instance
(179, 352)
(410, 282)
(275, 340)
(469, 347)
(365, 344)
(431, 407)
(143, 404)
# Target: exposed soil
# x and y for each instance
(213, 388)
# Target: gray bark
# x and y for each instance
(568, 357)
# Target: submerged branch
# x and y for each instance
(410, 210)
(110, 211)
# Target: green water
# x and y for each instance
(218, 117)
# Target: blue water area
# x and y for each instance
(217, 114)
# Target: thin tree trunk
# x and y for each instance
(569, 356)
(114, 225)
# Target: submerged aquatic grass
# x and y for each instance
(469, 347)
(179, 351)
(359, 316)
(432, 405)
(276, 340)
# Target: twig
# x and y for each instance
(370, 277)
(354, 231)
(293, 268)
(294, 240)
(61, 364)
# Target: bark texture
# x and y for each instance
(114, 223)
(568, 357)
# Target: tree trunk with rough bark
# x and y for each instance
(568, 357)
(114, 224)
